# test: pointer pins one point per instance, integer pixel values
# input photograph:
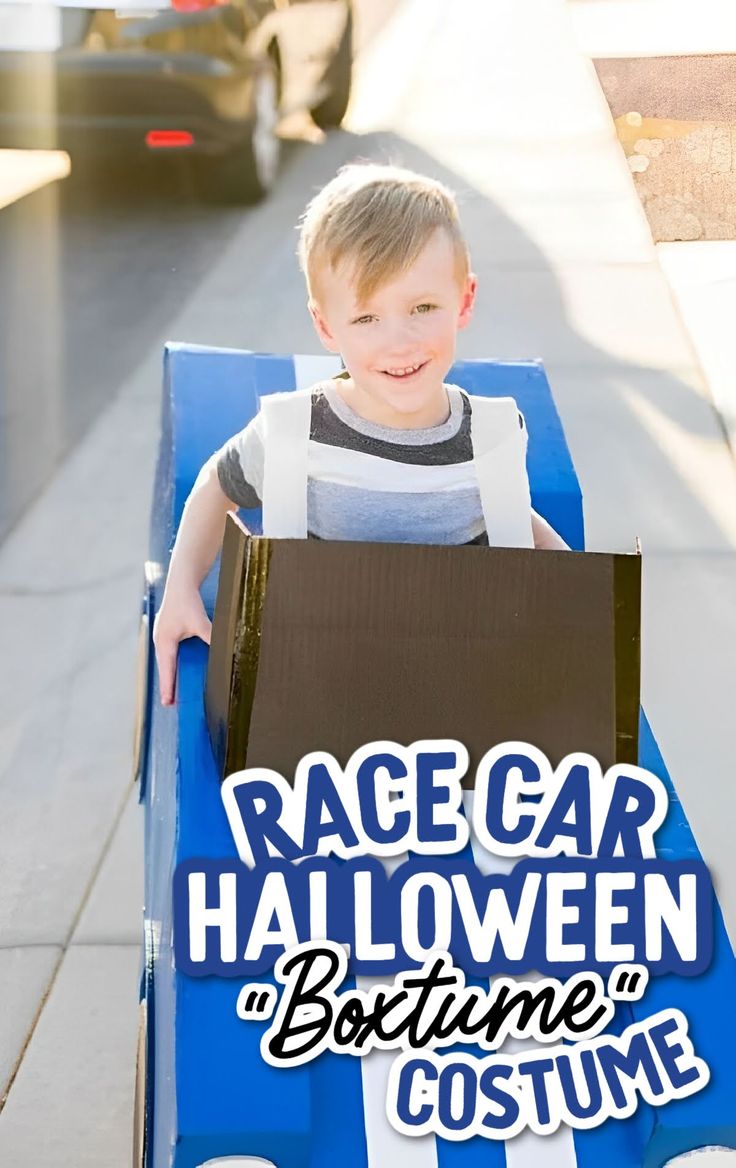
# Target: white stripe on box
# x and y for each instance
(386, 1147)
(527, 1150)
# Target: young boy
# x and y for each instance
(390, 454)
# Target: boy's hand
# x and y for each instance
(180, 616)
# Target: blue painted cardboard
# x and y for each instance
(210, 1094)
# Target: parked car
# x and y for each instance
(204, 77)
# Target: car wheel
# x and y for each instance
(247, 172)
(331, 111)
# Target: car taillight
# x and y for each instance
(196, 5)
(163, 138)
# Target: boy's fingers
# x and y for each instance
(166, 659)
(167, 649)
(205, 630)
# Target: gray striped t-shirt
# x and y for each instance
(373, 482)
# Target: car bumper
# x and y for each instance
(113, 100)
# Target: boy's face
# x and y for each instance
(399, 345)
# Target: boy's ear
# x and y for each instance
(320, 325)
(468, 300)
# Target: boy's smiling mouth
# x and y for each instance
(404, 373)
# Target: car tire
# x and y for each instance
(330, 112)
(247, 172)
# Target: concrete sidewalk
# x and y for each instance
(497, 98)
(579, 283)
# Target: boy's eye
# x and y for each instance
(422, 308)
(363, 319)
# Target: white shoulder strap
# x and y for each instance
(286, 424)
(499, 456)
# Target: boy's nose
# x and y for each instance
(402, 344)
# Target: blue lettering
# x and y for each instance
(623, 822)
(413, 1118)
(429, 796)
(262, 826)
(504, 1099)
(670, 1054)
(638, 1057)
(592, 1084)
(537, 1069)
(574, 794)
(321, 797)
(497, 779)
(366, 780)
(467, 1096)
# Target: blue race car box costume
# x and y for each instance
(419, 635)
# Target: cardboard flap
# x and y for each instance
(330, 645)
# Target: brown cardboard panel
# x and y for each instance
(232, 663)
(627, 649)
(348, 643)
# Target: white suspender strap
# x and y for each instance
(499, 456)
(286, 424)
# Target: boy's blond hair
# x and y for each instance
(377, 218)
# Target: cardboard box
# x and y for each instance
(323, 645)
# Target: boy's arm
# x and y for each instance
(198, 541)
(546, 537)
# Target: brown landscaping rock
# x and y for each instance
(676, 121)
